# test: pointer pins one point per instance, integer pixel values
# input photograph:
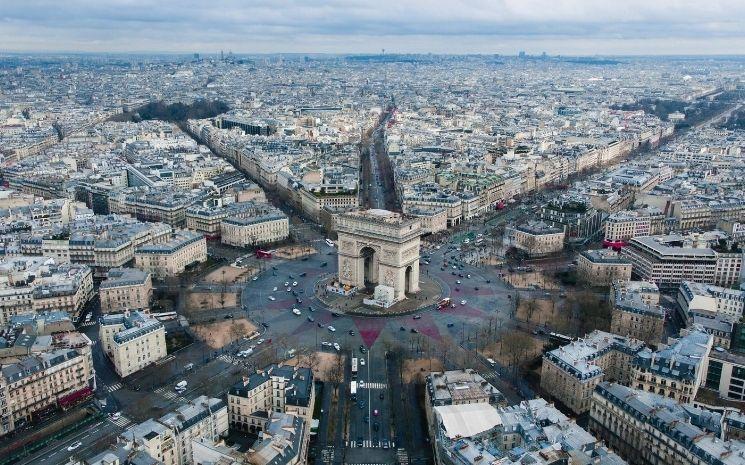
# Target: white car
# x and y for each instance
(332, 329)
(74, 445)
(362, 362)
(362, 384)
(287, 283)
(271, 297)
(337, 346)
(289, 289)
(275, 289)
(463, 302)
(326, 344)
(294, 283)
(115, 415)
(455, 267)
(254, 278)
(260, 341)
(437, 247)
(296, 311)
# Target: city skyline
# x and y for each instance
(566, 27)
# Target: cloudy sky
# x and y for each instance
(582, 27)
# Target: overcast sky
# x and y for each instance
(583, 27)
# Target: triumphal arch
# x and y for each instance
(379, 247)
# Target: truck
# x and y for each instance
(353, 390)
(354, 367)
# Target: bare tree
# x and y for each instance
(531, 305)
(517, 345)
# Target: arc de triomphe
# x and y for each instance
(379, 247)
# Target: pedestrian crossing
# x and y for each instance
(368, 443)
(327, 455)
(166, 392)
(87, 324)
(375, 386)
(122, 421)
(402, 456)
(226, 358)
(114, 387)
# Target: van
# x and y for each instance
(181, 386)
(189, 366)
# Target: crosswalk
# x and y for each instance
(402, 457)
(166, 392)
(87, 324)
(226, 358)
(368, 443)
(375, 386)
(327, 455)
(114, 387)
(122, 421)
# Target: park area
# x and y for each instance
(291, 252)
(536, 279)
(323, 364)
(201, 301)
(222, 333)
(414, 370)
(230, 275)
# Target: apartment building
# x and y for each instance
(636, 311)
(132, 340)
(170, 258)
(433, 220)
(710, 301)
(256, 230)
(671, 259)
(125, 289)
(201, 419)
(651, 429)
(602, 267)
(275, 389)
(457, 387)
(35, 284)
(623, 225)
(675, 370)
(56, 372)
(282, 442)
(570, 373)
(536, 239)
(531, 432)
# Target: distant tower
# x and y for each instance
(382, 51)
(222, 55)
(521, 54)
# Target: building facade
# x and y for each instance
(132, 341)
(126, 289)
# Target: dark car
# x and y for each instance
(366, 419)
(476, 288)
(335, 315)
(320, 325)
(376, 426)
(362, 349)
(228, 316)
(417, 317)
(266, 325)
(359, 441)
(311, 308)
(450, 325)
(382, 396)
(302, 275)
(299, 300)
(351, 333)
(292, 277)
(414, 330)
(310, 318)
(488, 281)
(324, 264)
(403, 329)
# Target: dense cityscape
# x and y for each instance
(218, 258)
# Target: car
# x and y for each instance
(324, 264)
(460, 275)
(442, 268)
(453, 273)
(335, 315)
(302, 274)
(326, 344)
(115, 415)
(332, 329)
(376, 426)
(299, 300)
(294, 283)
(287, 283)
(463, 302)
(476, 288)
(274, 289)
(362, 383)
(376, 413)
(468, 276)
(74, 446)
(359, 441)
(254, 278)
(450, 325)
(289, 289)
(361, 404)
(337, 346)
(414, 330)
(320, 325)
(488, 281)
(291, 277)
(260, 341)
(362, 362)
(455, 267)
(457, 282)
(417, 317)
(265, 324)
(362, 349)
(402, 328)
(271, 297)
(351, 333)
(296, 311)
(310, 318)
(384, 444)
(229, 315)
(381, 396)
(366, 419)
(311, 308)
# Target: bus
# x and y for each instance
(353, 390)
(164, 316)
(559, 339)
(329, 242)
(354, 367)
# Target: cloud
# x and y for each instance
(336, 26)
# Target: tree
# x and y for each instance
(531, 305)
(518, 346)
